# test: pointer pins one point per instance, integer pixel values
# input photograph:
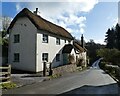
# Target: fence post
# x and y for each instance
(50, 69)
(44, 68)
(9, 71)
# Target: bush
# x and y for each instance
(71, 58)
(110, 55)
(79, 62)
(102, 65)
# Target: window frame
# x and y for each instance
(16, 38)
(57, 57)
(45, 38)
(16, 57)
(57, 41)
(65, 40)
(44, 58)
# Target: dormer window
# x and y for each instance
(45, 38)
(57, 41)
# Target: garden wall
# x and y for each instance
(64, 69)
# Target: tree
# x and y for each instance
(92, 47)
(117, 33)
(113, 37)
(5, 22)
(110, 38)
(110, 55)
(4, 36)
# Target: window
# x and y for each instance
(65, 41)
(16, 57)
(58, 41)
(58, 57)
(45, 57)
(45, 38)
(16, 38)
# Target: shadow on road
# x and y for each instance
(87, 90)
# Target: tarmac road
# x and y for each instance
(91, 81)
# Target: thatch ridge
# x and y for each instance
(41, 24)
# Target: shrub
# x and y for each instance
(71, 58)
(102, 65)
(110, 55)
(79, 62)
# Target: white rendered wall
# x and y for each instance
(26, 47)
(51, 48)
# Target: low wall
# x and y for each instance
(64, 69)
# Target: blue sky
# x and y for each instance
(91, 18)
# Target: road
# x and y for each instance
(91, 81)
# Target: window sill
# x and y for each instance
(44, 42)
(16, 42)
(16, 61)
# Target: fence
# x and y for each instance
(5, 73)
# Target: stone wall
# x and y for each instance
(64, 69)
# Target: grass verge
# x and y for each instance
(8, 85)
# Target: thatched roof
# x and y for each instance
(67, 48)
(78, 47)
(41, 24)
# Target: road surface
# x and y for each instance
(91, 81)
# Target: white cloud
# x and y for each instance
(69, 30)
(82, 25)
(82, 30)
(115, 21)
(18, 7)
(64, 13)
(99, 41)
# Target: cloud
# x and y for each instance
(18, 7)
(82, 30)
(115, 21)
(84, 5)
(100, 41)
(5, 22)
(64, 14)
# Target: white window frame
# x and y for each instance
(45, 57)
(45, 38)
(57, 41)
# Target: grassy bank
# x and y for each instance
(112, 70)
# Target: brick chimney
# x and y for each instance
(36, 11)
(82, 41)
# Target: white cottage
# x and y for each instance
(34, 40)
(81, 52)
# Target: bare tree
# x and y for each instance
(5, 22)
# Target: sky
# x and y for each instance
(92, 18)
